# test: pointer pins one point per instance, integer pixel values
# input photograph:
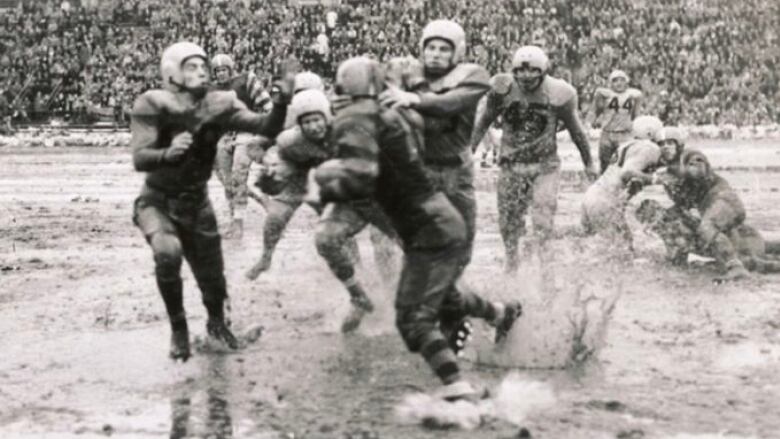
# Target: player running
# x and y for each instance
(298, 149)
(620, 103)
(531, 103)
(233, 156)
(175, 131)
(376, 158)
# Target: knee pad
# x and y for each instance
(414, 323)
(167, 254)
(329, 239)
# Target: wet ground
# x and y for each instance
(83, 351)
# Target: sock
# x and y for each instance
(440, 358)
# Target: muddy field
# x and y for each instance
(84, 344)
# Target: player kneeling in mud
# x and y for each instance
(677, 229)
(376, 158)
(693, 185)
(604, 204)
(175, 132)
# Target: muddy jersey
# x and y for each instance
(530, 119)
(606, 198)
(702, 193)
(382, 162)
(636, 156)
(620, 108)
(448, 105)
(294, 148)
(159, 115)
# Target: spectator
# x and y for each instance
(716, 59)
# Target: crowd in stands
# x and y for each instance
(697, 61)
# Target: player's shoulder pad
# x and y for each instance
(501, 83)
(153, 103)
(362, 110)
(635, 93)
(391, 117)
(393, 122)
(559, 91)
(466, 73)
(637, 147)
(289, 137)
(648, 145)
(220, 100)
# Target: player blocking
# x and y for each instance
(377, 159)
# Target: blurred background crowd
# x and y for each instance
(697, 61)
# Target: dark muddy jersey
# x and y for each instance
(699, 193)
(448, 105)
(159, 115)
(383, 162)
(303, 153)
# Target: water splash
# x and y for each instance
(514, 400)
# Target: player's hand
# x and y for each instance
(591, 172)
(659, 176)
(179, 146)
(281, 91)
(312, 196)
(255, 90)
(394, 97)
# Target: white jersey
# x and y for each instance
(620, 108)
(605, 200)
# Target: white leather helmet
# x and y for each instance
(310, 101)
(446, 30)
(647, 127)
(532, 56)
(172, 59)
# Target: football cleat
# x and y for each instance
(218, 331)
(512, 311)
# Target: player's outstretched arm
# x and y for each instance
(638, 101)
(596, 108)
(243, 119)
(577, 133)
(452, 102)
(487, 112)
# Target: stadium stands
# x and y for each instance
(698, 61)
